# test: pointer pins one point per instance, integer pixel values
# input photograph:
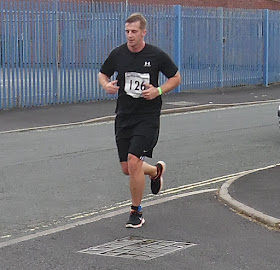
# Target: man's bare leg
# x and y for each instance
(136, 179)
(150, 170)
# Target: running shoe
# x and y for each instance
(136, 220)
(156, 182)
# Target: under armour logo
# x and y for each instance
(147, 64)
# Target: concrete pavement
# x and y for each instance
(255, 195)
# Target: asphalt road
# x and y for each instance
(59, 176)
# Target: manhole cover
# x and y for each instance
(137, 248)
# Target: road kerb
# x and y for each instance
(224, 196)
(163, 112)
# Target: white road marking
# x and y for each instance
(97, 218)
(175, 111)
(122, 207)
(118, 208)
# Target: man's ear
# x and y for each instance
(144, 32)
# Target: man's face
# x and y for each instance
(134, 34)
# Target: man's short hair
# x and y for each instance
(137, 17)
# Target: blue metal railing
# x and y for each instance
(51, 52)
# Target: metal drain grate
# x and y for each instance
(137, 248)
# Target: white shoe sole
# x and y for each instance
(135, 226)
(163, 164)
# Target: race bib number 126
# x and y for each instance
(135, 83)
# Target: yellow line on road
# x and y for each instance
(121, 207)
(212, 181)
(170, 191)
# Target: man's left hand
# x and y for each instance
(150, 93)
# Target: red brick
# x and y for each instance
(244, 4)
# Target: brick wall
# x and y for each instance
(247, 4)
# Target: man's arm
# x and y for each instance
(109, 86)
(152, 92)
(171, 83)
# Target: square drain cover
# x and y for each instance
(137, 248)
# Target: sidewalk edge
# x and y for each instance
(224, 196)
(163, 112)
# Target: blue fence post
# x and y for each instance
(178, 40)
(2, 57)
(221, 46)
(265, 46)
(54, 98)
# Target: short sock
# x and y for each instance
(136, 208)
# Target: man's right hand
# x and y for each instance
(111, 87)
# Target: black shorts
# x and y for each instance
(137, 135)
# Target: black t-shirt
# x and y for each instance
(135, 69)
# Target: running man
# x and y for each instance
(138, 107)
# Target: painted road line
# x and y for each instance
(126, 203)
(106, 119)
(212, 181)
(99, 217)
(79, 217)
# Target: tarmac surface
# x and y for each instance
(253, 195)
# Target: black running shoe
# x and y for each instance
(135, 220)
(156, 182)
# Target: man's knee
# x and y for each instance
(134, 164)
(124, 167)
